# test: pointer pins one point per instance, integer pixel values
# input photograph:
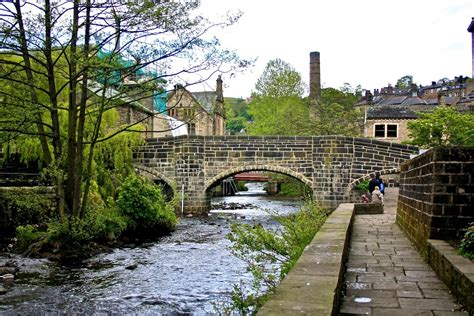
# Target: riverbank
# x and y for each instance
(187, 272)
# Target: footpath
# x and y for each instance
(385, 274)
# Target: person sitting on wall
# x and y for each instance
(380, 183)
(364, 199)
(377, 196)
(372, 183)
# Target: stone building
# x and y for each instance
(202, 112)
(387, 111)
(185, 112)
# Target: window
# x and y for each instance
(392, 130)
(386, 130)
(379, 130)
(191, 129)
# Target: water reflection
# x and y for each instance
(184, 273)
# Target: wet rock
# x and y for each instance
(10, 264)
(3, 290)
(231, 206)
(8, 270)
(7, 277)
(132, 266)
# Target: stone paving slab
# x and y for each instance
(385, 275)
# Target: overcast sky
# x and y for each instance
(366, 42)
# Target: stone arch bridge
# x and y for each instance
(330, 165)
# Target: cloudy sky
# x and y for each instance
(366, 42)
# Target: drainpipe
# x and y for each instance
(182, 200)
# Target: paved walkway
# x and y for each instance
(386, 275)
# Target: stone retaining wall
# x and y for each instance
(456, 271)
(313, 286)
(436, 195)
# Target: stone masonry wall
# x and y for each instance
(436, 194)
(329, 164)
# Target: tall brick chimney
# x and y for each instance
(314, 76)
(471, 30)
(219, 91)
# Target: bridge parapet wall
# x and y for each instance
(329, 164)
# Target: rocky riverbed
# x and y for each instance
(189, 272)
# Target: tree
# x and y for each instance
(277, 107)
(335, 119)
(443, 127)
(236, 115)
(345, 96)
(404, 82)
(279, 79)
(51, 52)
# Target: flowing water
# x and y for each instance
(188, 272)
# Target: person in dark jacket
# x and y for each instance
(372, 184)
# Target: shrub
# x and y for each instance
(241, 186)
(28, 235)
(22, 207)
(270, 254)
(466, 248)
(71, 233)
(363, 186)
(145, 207)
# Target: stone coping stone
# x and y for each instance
(456, 271)
(368, 208)
(313, 286)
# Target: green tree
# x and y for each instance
(50, 57)
(404, 82)
(279, 79)
(237, 115)
(335, 119)
(443, 127)
(345, 96)
(277, 106)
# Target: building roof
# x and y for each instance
(397, 111)
(413, 101)
(207, 99)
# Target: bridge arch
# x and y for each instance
(229, 172)
(153, 174)
(359, 180)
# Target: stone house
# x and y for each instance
(202, 112)
(387, 111)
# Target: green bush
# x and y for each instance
(28, 235)
(71, 232)
(363, 186)
(23, 207)
(466, 248)
(241, 186)
(270, 254)
(145, 207)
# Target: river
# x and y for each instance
(189, 272)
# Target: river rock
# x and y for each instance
(3, 290)
(132, 266)
(10, 264)
(6, 277)
(8, 270)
